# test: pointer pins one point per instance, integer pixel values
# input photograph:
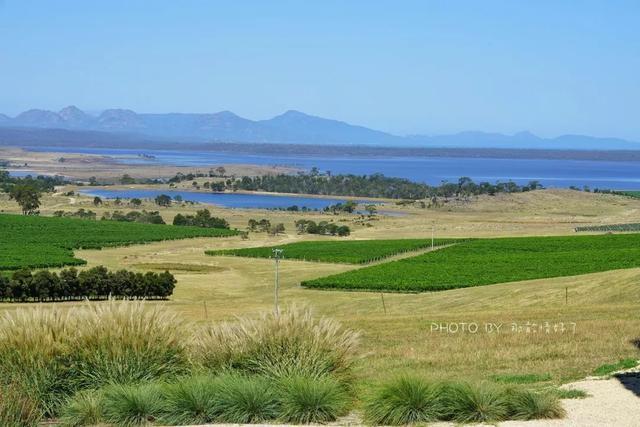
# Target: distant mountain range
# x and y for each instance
(291, 127)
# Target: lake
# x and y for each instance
(229, 200)
(431, 170)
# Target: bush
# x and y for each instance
(246, 400)
(478, 403)
(404, 400)
(292, 344)
(84, 409)
(305, 400)
(126, 405)
(530, 405)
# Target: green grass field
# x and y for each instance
(490, 261)
(34, 241)
(333, 251)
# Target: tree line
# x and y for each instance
(96, 283)
(376, 185)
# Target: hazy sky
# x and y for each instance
(551, 67)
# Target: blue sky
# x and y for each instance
(551, 67)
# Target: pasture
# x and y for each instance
(339, 251)
(490, 261)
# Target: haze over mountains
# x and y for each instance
(291, 127)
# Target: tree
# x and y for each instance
(221, 171)
(27, 196)
(97, 201)
(135, 202)
(126, 179)
(163, 200)
(371, 209)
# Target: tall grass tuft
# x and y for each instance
(305, 400)
(85, 408)
(127, 342)
(246, 400)
(49, 353)
(531, 405)
(193, 400)
(17, 410)
(34, 347)
(128, 405)
(475, 403)
(295, 343)
(404, 400)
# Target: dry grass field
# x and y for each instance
(592, 319)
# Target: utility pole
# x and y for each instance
(277, 254)
(433, 234)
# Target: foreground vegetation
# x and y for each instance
(124, 363)
(33, 241)
(490, 261)
(349, 251)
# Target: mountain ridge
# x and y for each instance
(290, 127)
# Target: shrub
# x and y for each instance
(193, 400)
(124, 342)
(126, 405)
(404, 400)
(83, 409)
(478, 403)
(246, 400)
(305, 400)
(530, 405)
(291, 344)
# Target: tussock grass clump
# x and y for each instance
(127, 343)
(193, 400)
(293, 344)
(127, 405)
(404, 400)
(85, 408)
(531, 405)
(246, 400)
(17, 410)
(305, 400)
(49, 354)
(475, 403)
(34, 346)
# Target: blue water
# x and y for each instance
(230, 200)
(431, 170)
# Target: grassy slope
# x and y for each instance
(490, 261)
(338, 251)
(33, 241)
